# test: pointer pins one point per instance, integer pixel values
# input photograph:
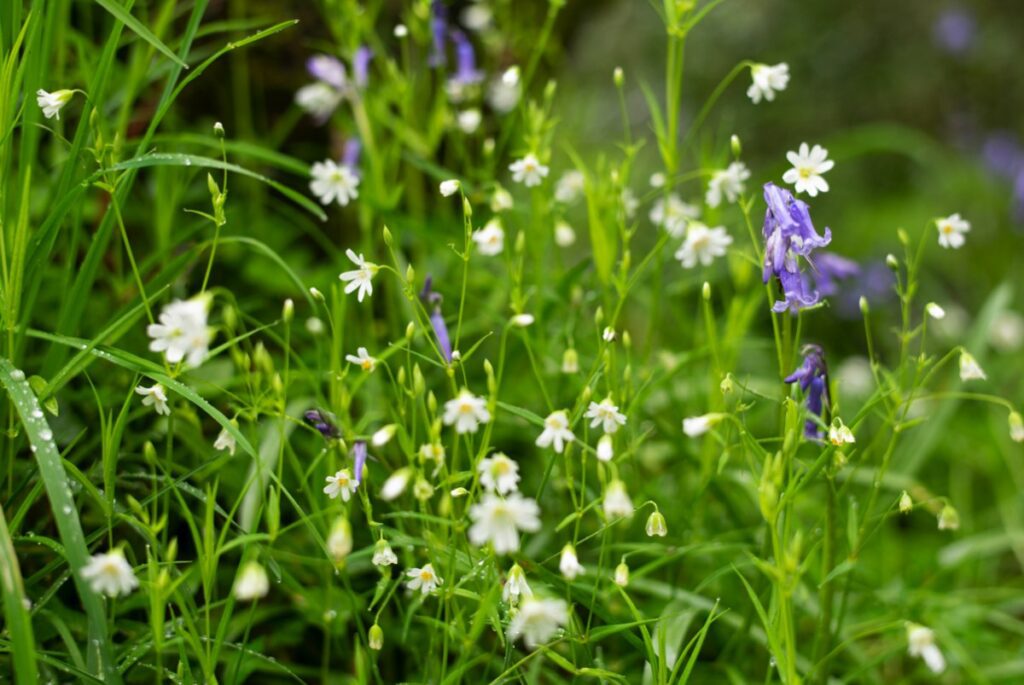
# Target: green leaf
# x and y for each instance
(62, 503)
(122, 15)
(16, 616)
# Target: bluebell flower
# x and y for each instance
(432, 301)
(438, 30)
(954, 30)
(361, 66)
(324, 422)
(789, 234)
(350, 155)
(359, 455)
(466, 73)
(812, 375)
(829, 268)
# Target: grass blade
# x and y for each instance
(139, 29)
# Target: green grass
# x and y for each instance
(786, 559)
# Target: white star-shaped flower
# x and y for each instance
(951, 231)
(423, 579)
(808, 166)
(466, 412)
(767, 80)
(333, 181)
(556, 431)
(702, 245)
(155, 397)
(110, 574)
(341, 484)
(53, 103)
(498, 521)
(362, 359)
(360, 278)
(528, 171)
(538, 620)
(490, 240)
(181, 332)
(605, 414)
(727, 183)
(498, 473)
(672, 214)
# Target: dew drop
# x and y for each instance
(18, 375)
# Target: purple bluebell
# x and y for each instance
(789, 234)
(350, 155)
(954, 30)
(439, 31)
(812, 375)
(328, 69)
(1003, 154)
(466, 73)
(359, 459)
(829, 269)
(874, 282)
(361, 66)
(324, 422)
(432, 301)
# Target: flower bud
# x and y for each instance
(376, 637)
(410, 330)
(622, 574)
(459, 492)
(316, 294)
(863, 305)
(252, 583)
(570, 361)
(450, 187)
(906, 503)
(605, 448)
(339, 542)
(384, 435)
(656, 525)
(218, 130)
(618, 77)
(949, 519)
(422, 490)
(387, 236)
(726, 386)
(706, 291)
(737, 147)
(892, 262)
(1016, 427)
(410, 274)
(288, 310)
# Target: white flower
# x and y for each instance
(569, 187)
(921, 644)
(251, 583)
(469, 120)
(565, 235)
(466, 412)
(808, 166)
(672, 214)
(702, 245)
(948, 518)
(622, 574)
(501, 200)
(400, 31)
(608, 334)
(522, 320)
(503, 93)
(450, 187)
(499, 521)
(339, 541)
(432, 451)
(569, 564)
(528, 171)
(616, 500)
(334, 182)
(110, 574)
(515, 586)
(341, 483)
(605, 448)
(314, 325)
(838, 434)
(182, 333)
(318, 99)
(969, 368)
(657, 180)
(52, 103)
(556, 431)
(383, 555)
(498, 473)
(476, 17)
(155, 397)
(538, 620)
(727, 182)
(490, 240)
(767, 80)
(699, 425)
(423, 579)
(935, 311)
(951, 231)
(361, 278)
(1007, 331)
(362, 359)
(225, 441)
(629, 202)
(606, 415)
(395, 484)
(656, 525)
(510, 77)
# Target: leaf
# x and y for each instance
(18, 623)
(137, 27)
(65, 514)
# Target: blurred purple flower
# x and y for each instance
(874, 282)
(324, 422)
(466, 73)
(954, 30)
(328, 69)
(350, 155)
(438, 29)
(359, 457)
(789, 234)
(830, 268)
(361, 66)
(812, 375)
(1003, 154)
(432, 301)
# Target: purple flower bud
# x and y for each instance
(812, 375)
(466, 73)
(789, 234)
(359, 458)
(430, 298)
(328, 69)
(324, 422)
(361, 66)
(438, 29)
